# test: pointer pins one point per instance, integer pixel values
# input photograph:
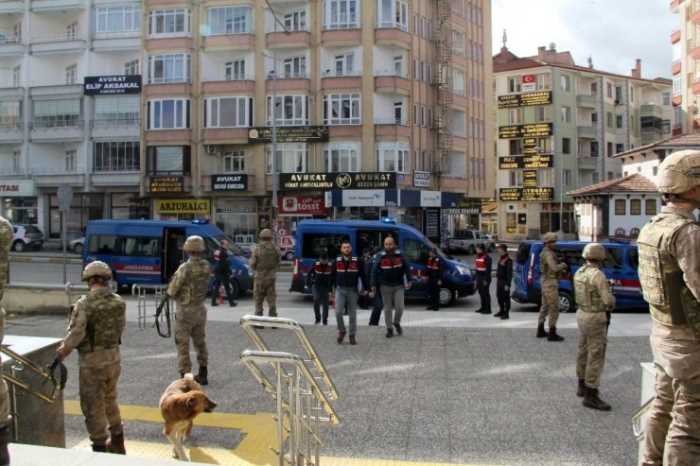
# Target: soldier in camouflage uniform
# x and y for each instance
(6, 235)
(265, 262)
(669, 272)
(189, 287)
(550, 270)
(95, 329)
(595, 303)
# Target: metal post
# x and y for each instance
(64, 229)
(275, 177)
(280, 416)
(561, 201)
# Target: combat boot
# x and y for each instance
(201, 377)
(581, 390)
(540, 331)
(389, 333)
(341, 337)
(498, 314)
(553, 335)
(593, 401)
(398, 328)
(115, 444)
(99, 448)
(352, 340)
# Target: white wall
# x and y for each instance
(53, 26)
(590, 222)
(111, 63)
(50, 158)
(384, 61)
(384, 108)
(213, 65)
(627, 221)
(51, 70)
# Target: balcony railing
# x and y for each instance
(57, 124)
(115, 122)
(57, 37)
(43, 171)
(330, 73)
(11, 126)
(391, 72)
(391, 121)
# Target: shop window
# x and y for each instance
(129, 206)
(20, 210)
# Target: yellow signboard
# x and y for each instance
(525, 131)
(529, 99)
(201, 207)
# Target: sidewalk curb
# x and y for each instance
(43, 259)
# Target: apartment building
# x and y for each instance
(381, 108)
(559, 127)
(685, 66)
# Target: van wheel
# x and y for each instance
(18, 246)
(566, 303)
(447, 297)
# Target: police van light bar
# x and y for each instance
(389, 220)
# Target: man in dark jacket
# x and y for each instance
(222, 275)
(504, 276)
(375, 302)
(433, 268)
(391, 276)
(483, 267)
(347, 273)
(319, 280)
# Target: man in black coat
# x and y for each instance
(433, 269)
(482, 264)
(222, 275)
(504, 276)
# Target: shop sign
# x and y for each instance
(167, 184)
(535, 130)
(19, 188)
(430, 198)
(422, 179)
(325, 181)
(112, 85)
(529, 178)
(307, 134)
(529, 99)
(531, 162)
(364, 198)
(529, 143)
(238, 182)
(432, 223)
(199, 207)
(526, 194)
(303, 205)
(528, 82)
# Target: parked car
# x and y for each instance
(77, 245)
(466, 241)
(316, 236)
(620, 266)
(27, 237)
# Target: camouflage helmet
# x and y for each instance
(550, 238)
(266, 234)
(194, 243)
(97, 269)
(679, 172)
(594, 252)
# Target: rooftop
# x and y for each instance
(686, 141)
(634, 183)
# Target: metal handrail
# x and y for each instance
(637, 428)
(251, 358)
(57, 386)
(249, 324)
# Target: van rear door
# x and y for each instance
(521, 269)
(172, 255)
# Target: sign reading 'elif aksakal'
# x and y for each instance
(112, 85)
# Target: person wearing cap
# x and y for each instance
(95, 330)
(222, 275)
(669, 272)
(265, 261)
(595, 303)
(189, 287)
(550, 269)
(320, 281)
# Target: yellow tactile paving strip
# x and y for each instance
(253, 450)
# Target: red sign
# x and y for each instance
(529, 79)
(303, 205)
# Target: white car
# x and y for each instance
(77, 245)
(27, 237)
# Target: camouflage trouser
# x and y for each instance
(98, 401)
(264, 290)
(592, 341)
(550, 302)
(673, 427)
(191, 322)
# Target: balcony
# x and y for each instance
(184, 42)
(586, 162)
(676, 67)
(116, 178)
(40, 6)
(55, 44)
(225, 135)
(391, 129)
(392, 37)
(169, 136)
(63, 90)
(589, 132)
(44, 177)
(288, 85)
(331, 82)
(392, 85)
(229, 42)
(167, 90)
(228, 87)
(283, 40)
(116, 127)
(116, 42)
(12, 7)
(651, 110)
(341, 37)
(11, 46)
(11, 132)
(56, 130)
(8, 92)
(675, 37)
(587, 100)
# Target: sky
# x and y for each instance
(613, 32)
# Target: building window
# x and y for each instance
(230, 20)
(677, 85)
(295, 20)
(342, 14)
(234, 162)
(290, 110)
(541, 114)
(566, 174)
(70, 160)
(392, 14)
(609, 116)
(17, 76)
(566, 114)
(116, 156)
(294, 67)
(341, 157)
(650, 207)
(235, 70)
(72, 31)
(111, 109)
(17, 162)
(392, 157)
(118, 19)
(342, 109)
(514, 84)
(609, 89)
(595, 149)
(620, 207)
(566, 145)
(55, 113)
(10, 114)
(169, 22)
(458, 44)
(291, 158)
(169, 114)
(635, 207)
(168, 160)
(655, 171)
(228, 112)
(72, 74)
(619, 121)
(619, 148)
(565, 83)
(515, 147)
(618, 94)
(399, 113)
(610, 149)
(398, 66)
(170, 68)
(132, 68)
(344, 64)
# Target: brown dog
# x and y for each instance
(181, 402)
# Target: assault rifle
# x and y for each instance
(163, 317)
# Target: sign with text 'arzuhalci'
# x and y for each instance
(529, 99)
(535, 130)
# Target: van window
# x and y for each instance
(415, 251)
(570, 256)
(523, 253)
(633, 255)
(317, 243)
(141, 246)
(104, 244)
(615, 257)
(373, 239)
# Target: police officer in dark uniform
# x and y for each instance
(222, 275)
(433, 268)
(319, 280)
(482, 264)
(504, 276)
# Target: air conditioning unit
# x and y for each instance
(210, 149)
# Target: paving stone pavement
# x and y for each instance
(452, 395)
